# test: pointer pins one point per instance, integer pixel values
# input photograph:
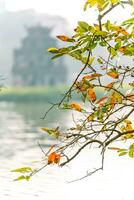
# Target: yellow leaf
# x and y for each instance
(90, 117)
(97, 27)
(53, 50)
(85, 6)
(115, 98)
(91, 60)
(114, 1)
(118, 39)
(127, 121)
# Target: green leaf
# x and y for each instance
(64, 50)
(108, 25)
(84, 96)
(103, 43)
(53, 132)
(101, 33)
(20, 178)
(122, 150)
(122, 153)
(22, 170)
(131, 154)
(112, 51)
(131, 147)
(118, 45)
(129, 21)
(84, 25)
(100, 61)
(28, 177)
(57, 56)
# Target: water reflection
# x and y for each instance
(21, 123)
(19, 133)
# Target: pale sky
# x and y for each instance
(72, 10)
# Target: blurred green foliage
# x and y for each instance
(32, 94)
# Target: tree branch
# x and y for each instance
(114, 6)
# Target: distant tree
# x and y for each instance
(32, 65)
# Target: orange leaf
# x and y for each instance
(122, 31)
(113, 74)
(91, 95)
(54, 158)
(51, 158)
(109, 86)
(114, 148)
(101, 100)
(128, 127)
(122, 49)
(76, 106)
(57, 158)
(125, 33)
(87, 77)
(95, 75)
(130, 96)
(65, 38)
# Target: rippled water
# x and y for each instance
(19, 133)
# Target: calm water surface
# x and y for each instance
(20, 125)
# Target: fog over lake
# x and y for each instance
(19, 134)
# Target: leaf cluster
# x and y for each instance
(104, 118)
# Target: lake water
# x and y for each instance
(20, 125)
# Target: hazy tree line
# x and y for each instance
(32, 65)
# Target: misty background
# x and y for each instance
(30, 82)
(17, 30)
(24, 38)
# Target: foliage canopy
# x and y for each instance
(107, 118)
